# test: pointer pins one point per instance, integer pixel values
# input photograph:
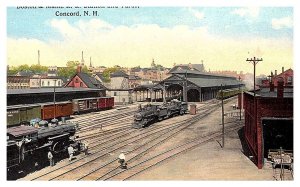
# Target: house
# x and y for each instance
(119, 80)
(83, 80)
(18, 82)
(46, 82)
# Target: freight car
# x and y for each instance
(84, 105)
(105, 103)
(62, 109)
(28, 146)
(18, 114)
(152, 112)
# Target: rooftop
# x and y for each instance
(49, 90)
(265, 92)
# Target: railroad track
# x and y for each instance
(97, 158)
(112, 166)
(144, 165)
(105, 150)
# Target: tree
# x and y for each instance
(35, 68)
(12, 70)
(106, 73)
(71, 69)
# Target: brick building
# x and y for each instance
(268, 121)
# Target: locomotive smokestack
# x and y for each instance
(275, 72)
(282, 69)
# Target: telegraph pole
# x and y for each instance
(254, 61)
(223, 127)
(54, 100)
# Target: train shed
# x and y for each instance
(268, 121)
(43, 95)
(191, 85)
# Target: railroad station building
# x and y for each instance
(189, 85)
(268, 120)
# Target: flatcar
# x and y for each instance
(28, 145)
(152, 112)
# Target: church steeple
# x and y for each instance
(91, 62)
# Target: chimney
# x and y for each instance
(280, 88)
(271, 86)
(275, 72)
(282, 69)
(79, 68)
(39, 57)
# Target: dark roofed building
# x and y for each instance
(119, 74)
(184, 67)
(83, 80)
(100, 77)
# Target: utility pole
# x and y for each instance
(223, 127)
(254, 61)
(54, 99)
(185, 85)
(240, 98)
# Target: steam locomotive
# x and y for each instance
(151, 113)
(28, 146)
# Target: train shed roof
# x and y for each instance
(49, 90)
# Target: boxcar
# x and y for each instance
(105, 103)
(84, 105)
(22, 113)
(61, 109)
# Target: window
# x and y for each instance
(48, 83)
(76, 80)
(115, 93)
(42, 83)
(58, 83)
(81, 85)
(290, 80)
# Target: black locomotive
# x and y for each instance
(28, 146)
(151, 113)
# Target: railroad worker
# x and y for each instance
(86, 148)
(71, 152)
(122, 161)
(50, 157)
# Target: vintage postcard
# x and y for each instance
(139, 93)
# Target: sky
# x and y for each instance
(222, 37)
